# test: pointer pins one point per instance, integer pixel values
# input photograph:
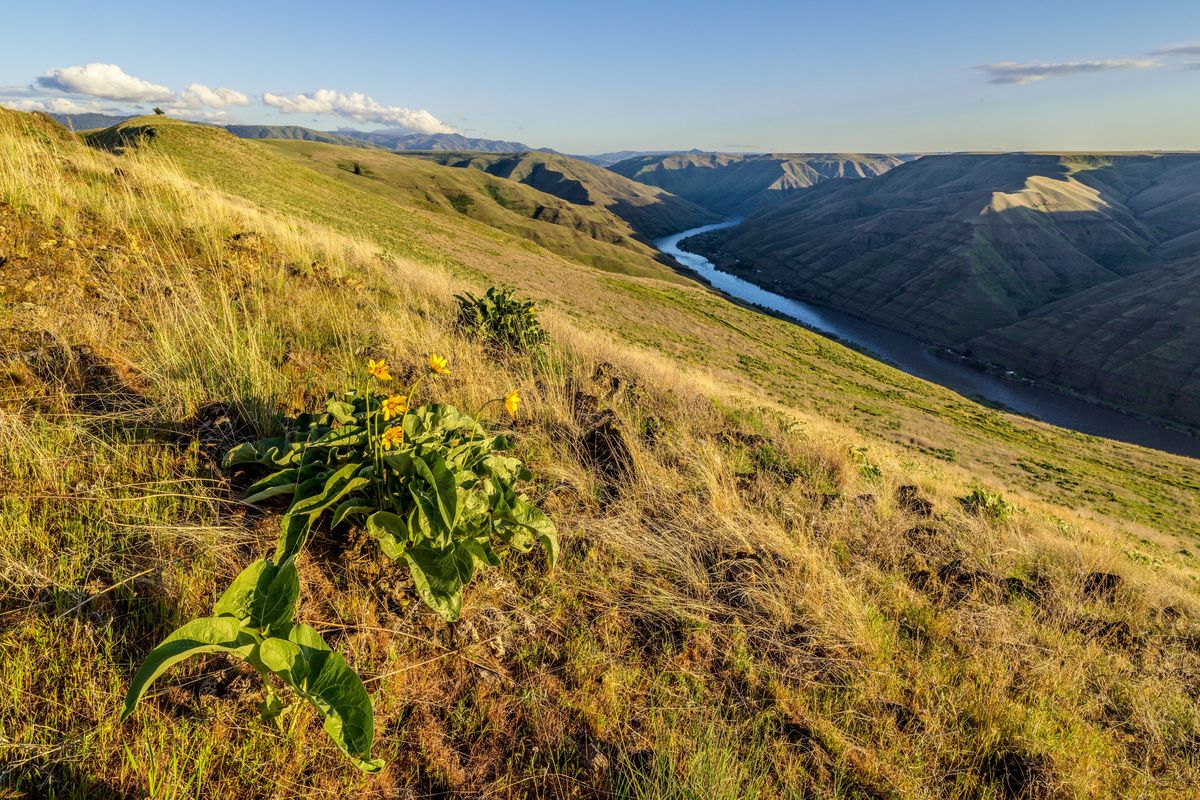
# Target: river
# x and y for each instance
(914, 357)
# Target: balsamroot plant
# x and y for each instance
(436, 491)
(501, 320)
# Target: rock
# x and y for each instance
(908, 498)
(1102, 586)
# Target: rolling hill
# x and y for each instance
(787, 570)
(1078, 269)
(651, 211)
(574, 209)
(732, 184)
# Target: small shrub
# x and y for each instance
(501, 320)
(866, 467)
(982, 502)
(432, 487)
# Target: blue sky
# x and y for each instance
(590, 77)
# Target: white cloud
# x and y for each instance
(58, 105)
(359, 107)
(1186, 49)
(103, 80)
(197, 95)
(1012, 72)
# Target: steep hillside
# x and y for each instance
(957, 248)
(651, 212)
(786, 571)
(732, 184)
(1134, 342)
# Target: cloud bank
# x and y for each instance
(358, 107)
(197, 95)
(60, 105)
(1188, 49)
(1013, 72)
(103, 80)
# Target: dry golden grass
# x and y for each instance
(743, 609)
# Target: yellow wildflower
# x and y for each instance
(392, 437)
(511, 401)
(438, 364)
(394, 406)
(379, 369)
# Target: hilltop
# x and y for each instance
(1073, 268)
(732, 184)
(787, 570)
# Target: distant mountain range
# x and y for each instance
(87, 122)
(385, 139)
(608, 159)
(737, 184)
(1082, 270)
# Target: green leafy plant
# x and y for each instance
(500, 319)
(983, 502)
(428, 483)
(253, 622)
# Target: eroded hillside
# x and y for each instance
(1075, 269)
(734, 185)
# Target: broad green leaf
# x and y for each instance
(352, 506)
(263, 595)
(481, 550)
(440, 575)
(277, 483)
(306, 664)
(246, 453)
(434, 421)
(391, 532)
(530, 517)
(344, 436)
(200, 636)
(341, 411)
(293, 534)
(337, 485)
(432, 468)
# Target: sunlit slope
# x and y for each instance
(650, 211)
(956, 248)
(775, 359)
(733, 184)
(587, 233)
(318, 179)
(773, 581)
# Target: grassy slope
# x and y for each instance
(718, 627)
(590, 234)
(732, 184)
(649, 210)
